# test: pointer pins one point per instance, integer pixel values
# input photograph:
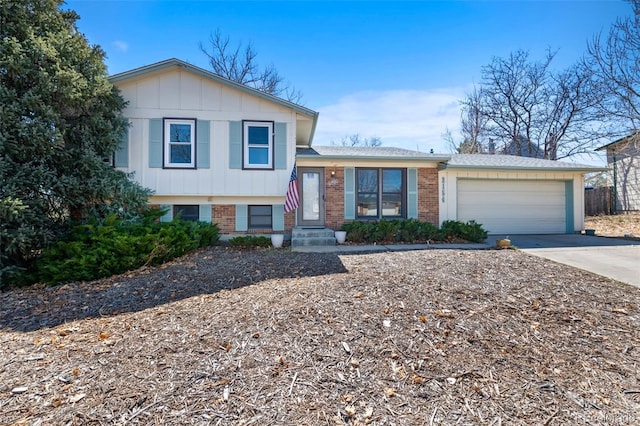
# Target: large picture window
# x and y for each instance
(260, 217)
(380, 193)
(180, 143)
(258, 144)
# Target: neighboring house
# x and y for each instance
(211, 149)
(623, 158)
(214, 150)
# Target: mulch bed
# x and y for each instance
(271, 337)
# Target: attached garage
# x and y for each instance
(512, 195)
(515, 206)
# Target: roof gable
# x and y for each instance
(306, 119)
(163, 65)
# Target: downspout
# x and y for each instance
(615, 183)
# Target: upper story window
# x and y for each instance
(381, 193)
(180, 143)
(257, 137)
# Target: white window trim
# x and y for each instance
(246, 145)
(166, 143)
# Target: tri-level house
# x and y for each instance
(215, 150)
(211, 149)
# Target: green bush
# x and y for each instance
(250, 241)
(469, 231)
(411, 231)
(112, 246)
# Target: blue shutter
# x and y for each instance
(277, 217)
(168, 216)
(349, 193)
(235, 144)
(121, 157)
(155, 142)
(412, 193)
(568, 205)
(242, 217)
(280, 145)
(205, 213)
(203, 136)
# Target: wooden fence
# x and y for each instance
(598, 201)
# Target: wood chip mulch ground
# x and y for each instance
(271, 337)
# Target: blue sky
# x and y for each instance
(395, 70)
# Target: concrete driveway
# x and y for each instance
(614, 258)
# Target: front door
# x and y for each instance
(311, 211)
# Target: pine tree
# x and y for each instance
(60, 118)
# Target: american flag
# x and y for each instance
(293, 199)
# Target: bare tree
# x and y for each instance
(531, 111)
(473, 125)
(615, 62)
(239, 64)
(356, 140)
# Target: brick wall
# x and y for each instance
(289, 221)
(225, 216)
(428, 206)
(334, 197)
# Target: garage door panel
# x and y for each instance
(513, 206)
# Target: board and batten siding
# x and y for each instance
(178, 94)
(512, 202)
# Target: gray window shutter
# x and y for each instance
(203, 136)
(121, 157)
(277, 217)
(349, 193)
(280, 145)
(242, 217)
(168, 216)
(235, 144)
(412, 193)
(155, 142)
(205, 213)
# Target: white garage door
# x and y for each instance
(513, 206)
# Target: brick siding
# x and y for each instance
(428, 207)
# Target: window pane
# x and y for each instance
(367, 181)
(260, 217)
(392, 204)
(392, 181)
(261, 221)
(368, 205)
(180, 133)
(180, 154)
(259, 135)
(261, 210)
(311, 196)
(191, 213)
(258, 156)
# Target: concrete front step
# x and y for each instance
(304, 237)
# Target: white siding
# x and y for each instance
(176, 93)
(449, 180)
